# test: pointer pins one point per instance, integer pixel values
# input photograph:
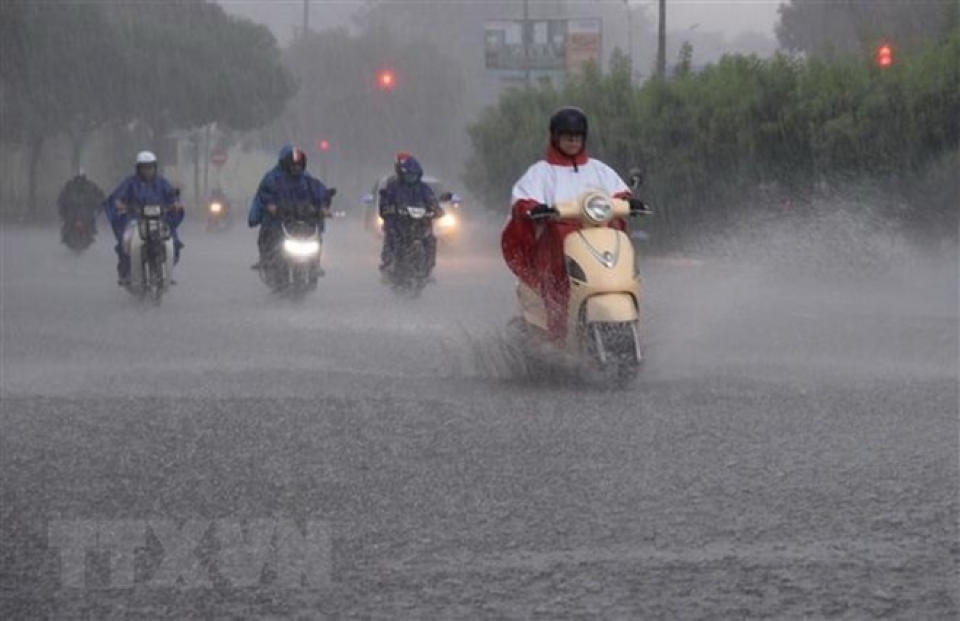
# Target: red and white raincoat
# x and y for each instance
(534, 250)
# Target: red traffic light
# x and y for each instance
(885, 56)
(323, 144)
(386, 80)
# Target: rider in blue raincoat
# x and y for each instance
(145, 187)
(287, 183)
(405, 189)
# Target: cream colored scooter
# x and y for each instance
(603, 310)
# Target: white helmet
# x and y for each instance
(146, 157)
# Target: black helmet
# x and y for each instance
(569, 120)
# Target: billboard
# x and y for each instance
(583, 43)
(541, 46)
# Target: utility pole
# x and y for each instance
(626, 3)
(526, 40)
(662, 41)
(306, 18)
(206, 161)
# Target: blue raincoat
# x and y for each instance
(135, 192)
(279, 188)
(397, 193)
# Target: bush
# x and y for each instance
(706, 140)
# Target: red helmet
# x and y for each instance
(402, 157)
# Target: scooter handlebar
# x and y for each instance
(541, 212)
(639, 208)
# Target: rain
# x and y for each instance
(783, 441)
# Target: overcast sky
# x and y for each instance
(732, 17)
(729, 16)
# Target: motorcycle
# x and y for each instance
(149, 243)
(411, 268)
(448, 226)
(219, 215)
(604, 301)
(78, 232)
(292, 266)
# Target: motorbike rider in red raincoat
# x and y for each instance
(533, 249)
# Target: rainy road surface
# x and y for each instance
(790, 449)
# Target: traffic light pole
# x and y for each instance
(526, 40)
(626, 3)
(306, 17)
(662, 40)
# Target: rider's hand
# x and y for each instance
(326, 212)
(541, 211)
(272, 210)
(178, 208)
(121, 208)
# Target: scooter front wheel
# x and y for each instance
(614, 348)
(155, 277)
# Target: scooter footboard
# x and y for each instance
(611, 307)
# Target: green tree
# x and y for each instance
(708, 139)
(70, 68)
(684, 60)
(194, 65)
(58, 75)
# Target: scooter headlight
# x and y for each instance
(298, 248)
(447, 221)
(598, 208)
(216, 207)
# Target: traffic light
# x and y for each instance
(885, 56)
(386, 80)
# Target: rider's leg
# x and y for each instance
(387, 253)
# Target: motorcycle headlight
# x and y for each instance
(447, 221)
(598, 209)
(298, 248)
(216, 207)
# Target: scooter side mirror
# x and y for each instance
(636, 178)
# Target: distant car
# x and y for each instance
(446, 228)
